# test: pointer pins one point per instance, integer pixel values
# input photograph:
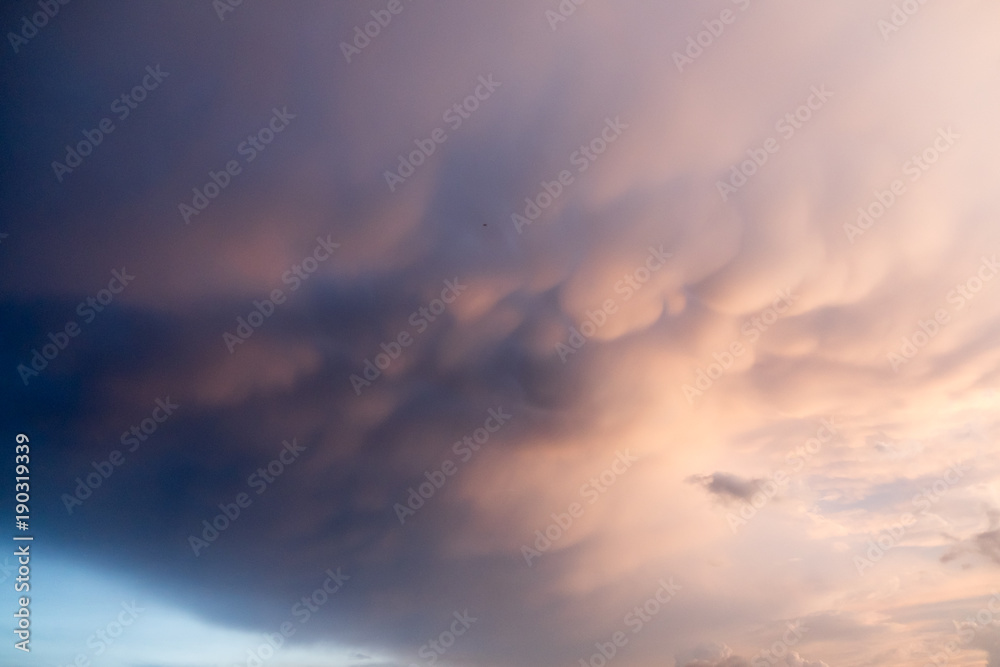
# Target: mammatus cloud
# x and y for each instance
(775, 262)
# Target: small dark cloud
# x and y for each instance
(986, 543)
(727, 487)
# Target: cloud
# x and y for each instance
(791, 660)
(727, 487)
(712, 654)
(988, 544)
(732, 661)
(984, 543)
(373, 447)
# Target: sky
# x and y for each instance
(564, 333)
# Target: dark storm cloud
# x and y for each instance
(334, 508)
(162, 339)
(367, 447)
